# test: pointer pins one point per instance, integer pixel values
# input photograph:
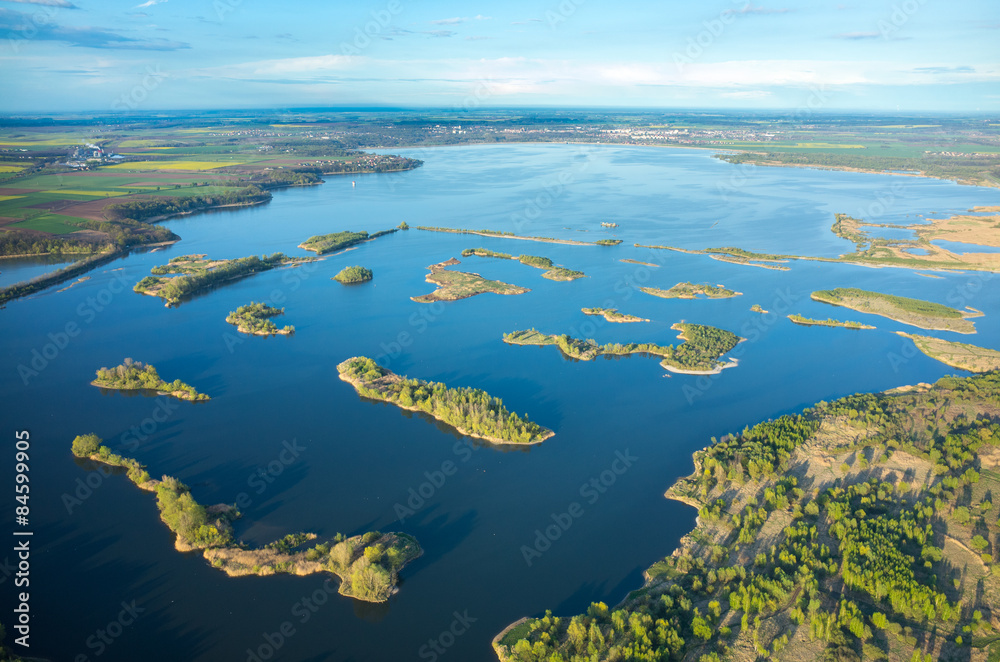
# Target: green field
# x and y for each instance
(54, 223)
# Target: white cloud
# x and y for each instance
(149, 3)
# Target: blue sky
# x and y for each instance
(143, 55)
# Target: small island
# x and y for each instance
(608, 242)
(612, 315)
(735, 256)
(956, 354)
(135, 376)
(504, 235)
(691, 291)
(471, 411)
(805, 321)
(698, 355)
(552, 272)
(198, 273)
(352, 275)
(327, 243)
(254, 318)
(368, 565)
(630, 261)
(756, 308)
(455, 285)
(915, 312)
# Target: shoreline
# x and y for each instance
(184, 395)
(492, 440)
(965, 316)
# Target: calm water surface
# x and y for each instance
(359, 461)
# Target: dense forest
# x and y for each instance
(794, 559)
(138, 210)
(255, 318)
(356, 274)
(470, 410)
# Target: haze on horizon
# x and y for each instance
(908, 55)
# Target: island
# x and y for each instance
(612, 315)
(691, 291)
(352, 275)
(630, 261)
(698, 355)
(850, 531)
(914, 312)
(471, 411)
(734, 256)
(368, 565)
(552, 272)
(608, 242)
(254, 318)
(327, 243)
(956, 354)
(455, 285)
(805, 321)
(756, 308)
(135, 376)
(198, 273)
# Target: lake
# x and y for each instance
(103, 563)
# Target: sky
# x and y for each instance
(147, 55)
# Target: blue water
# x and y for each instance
(959, 247)
(361, 459)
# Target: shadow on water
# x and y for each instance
(580, 599)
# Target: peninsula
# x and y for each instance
(915, 312)
(956, 354)
(198, 273)
(327, 243)
(368, 565)
(506, 235)
(254, 318)
(455, 285)
(135, 376)
(851, 531)
(691, 291)
(471, 411)
(698, 354)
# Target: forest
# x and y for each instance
(176, 288)
(255, 318)
(855, 563)
(355, 274)
(472, 411)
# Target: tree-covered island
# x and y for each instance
(368, 565)
(698, 354)
(852, 532)
(255, 318)
(691, 291)
(352, 275)
(327, 243)
(552, 272)
(135, 376)
(455, 285)
(471, 411)
(198, 273)
(956, 354)
(915, 312)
